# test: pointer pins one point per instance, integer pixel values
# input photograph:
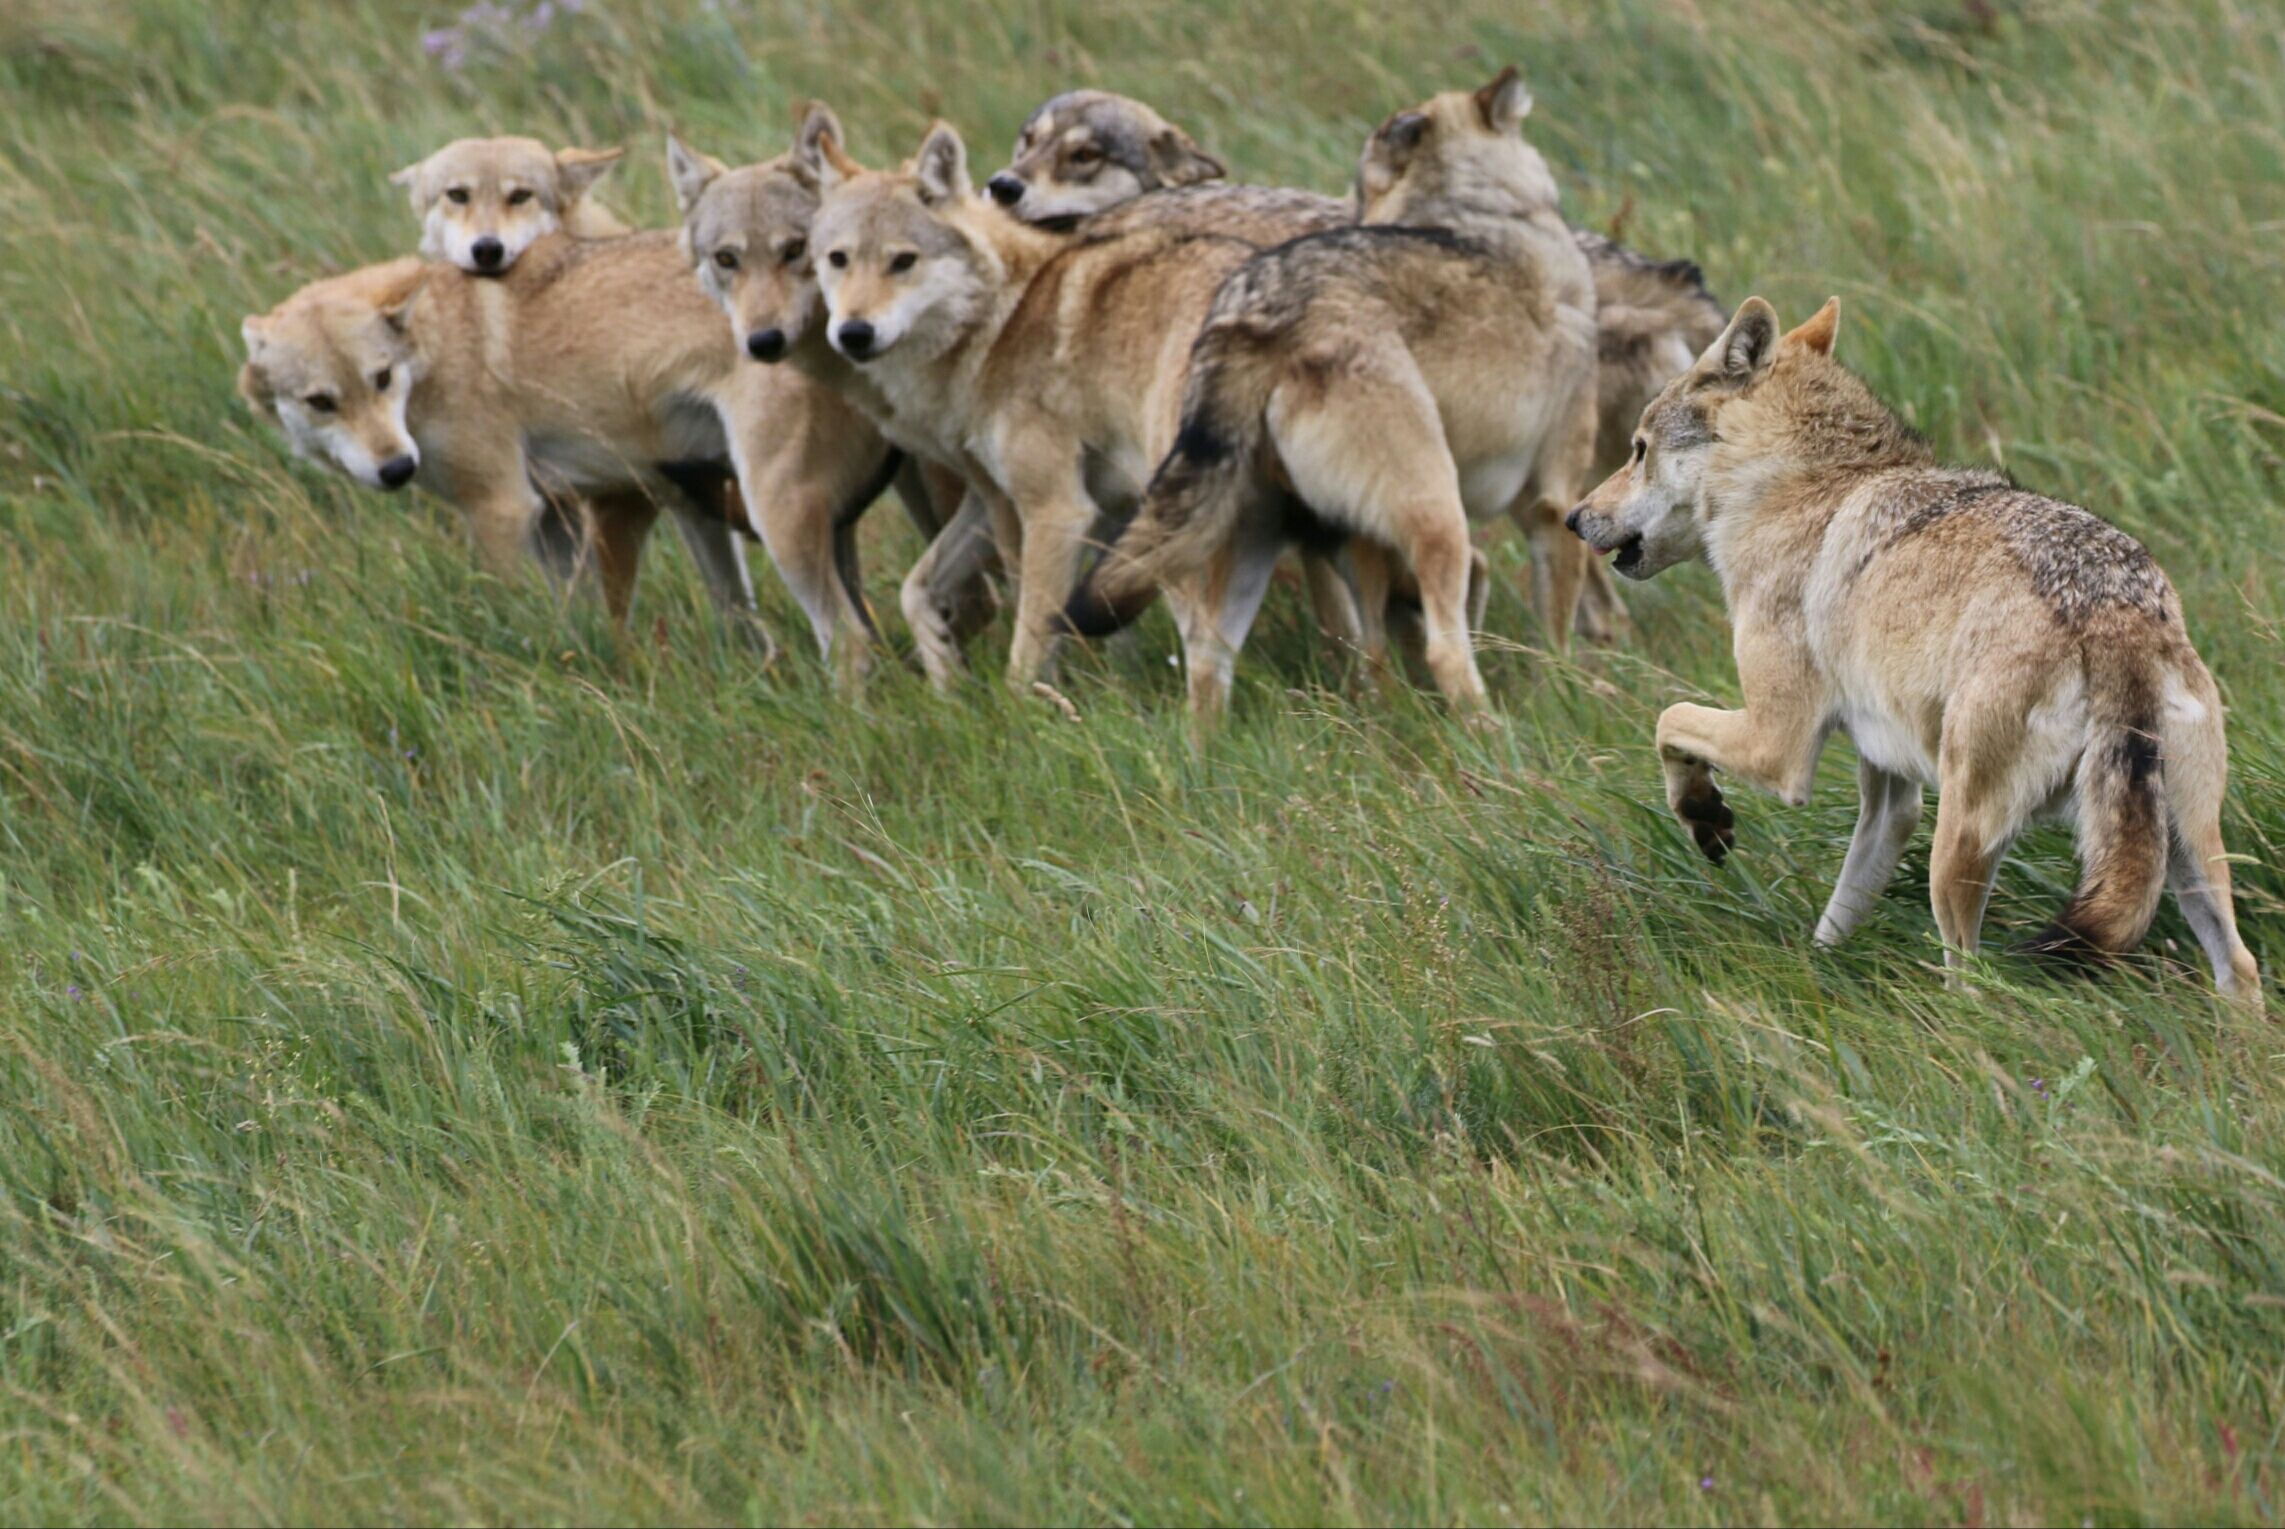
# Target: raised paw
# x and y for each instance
(1709, 820)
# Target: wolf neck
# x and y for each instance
(1784, 466)
(941, 389)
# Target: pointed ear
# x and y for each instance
(578, 169)
(690, 171)
(1818, 331)
(253, 381)
(817, 150)
(395, 300)
(1505, 102)
(1746, 348)
(409, 178)
(1178, 161)
(941, 166)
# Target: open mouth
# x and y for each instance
(1626, 557)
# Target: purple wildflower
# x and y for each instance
(1706, 1483)
(72, 992)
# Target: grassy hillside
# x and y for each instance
(457, 1067)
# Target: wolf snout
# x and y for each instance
(856, 339)
(1005, 188)
(487, 252)
(766, 345)
(1571, 521)
(397, 471)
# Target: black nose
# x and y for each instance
(486, 252)
(857, 339)
(1005, 188)
(1571, 521)
(398, 471)
(766, 344)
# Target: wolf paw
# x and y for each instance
(1710, 822)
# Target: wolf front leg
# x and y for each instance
(1773, 742)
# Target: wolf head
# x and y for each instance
(1457, 154)
(901, 269)
(484, 201)
(1756, 397)
(333, 367)
(747, 232)
(1087, 151)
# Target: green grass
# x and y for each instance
(458, 1067)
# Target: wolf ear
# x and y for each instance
(817, 151)
(941, 166)
(253, 381)
(1505, 102)
(395, 300)
(1818, 330)
(690, 171)
(579, 169)
(409, 178)
(1178, 161)
(1745, 348)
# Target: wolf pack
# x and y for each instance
(1112, 376)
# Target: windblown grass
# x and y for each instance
(460, 1068)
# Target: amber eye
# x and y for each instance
(518, 197)
(1086, 154)
(381, 380)
(322, 403)
(457, 195)
(903, 263)
(794, 250)
(839, 260)
(726, 259)
(1641, 450)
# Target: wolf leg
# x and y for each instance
(1888, 809)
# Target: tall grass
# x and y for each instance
(461, 1067)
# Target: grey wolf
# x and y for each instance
(2019, 654)
(1380, 384)
(1087, 152)
(483, 201)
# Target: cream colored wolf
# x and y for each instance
(1047, 369)
(1088, 151)
(2019, 654)
(484, 201)
(1382, 383)
(592, 368)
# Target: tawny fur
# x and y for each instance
(2018, 653)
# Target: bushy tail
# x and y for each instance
(1202, 489)
(2123, 822)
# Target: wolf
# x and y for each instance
(1047, 367)
(1088, 152)
(594, 369)
(483, 201)
(1379, 384)
(2019, 654)
(746, 234)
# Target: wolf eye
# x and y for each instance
(518, 197)
(381, 380)
(839, 260)
(321, 402)
(726, 259)
(794, 250)
(457, 195)
(1085, 154)
(903, 263)
(1641, 450)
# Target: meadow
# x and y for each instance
(457, 1065)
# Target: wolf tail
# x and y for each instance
(1200, 492)
(2124, 824)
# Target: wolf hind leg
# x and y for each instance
(1367, 452)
